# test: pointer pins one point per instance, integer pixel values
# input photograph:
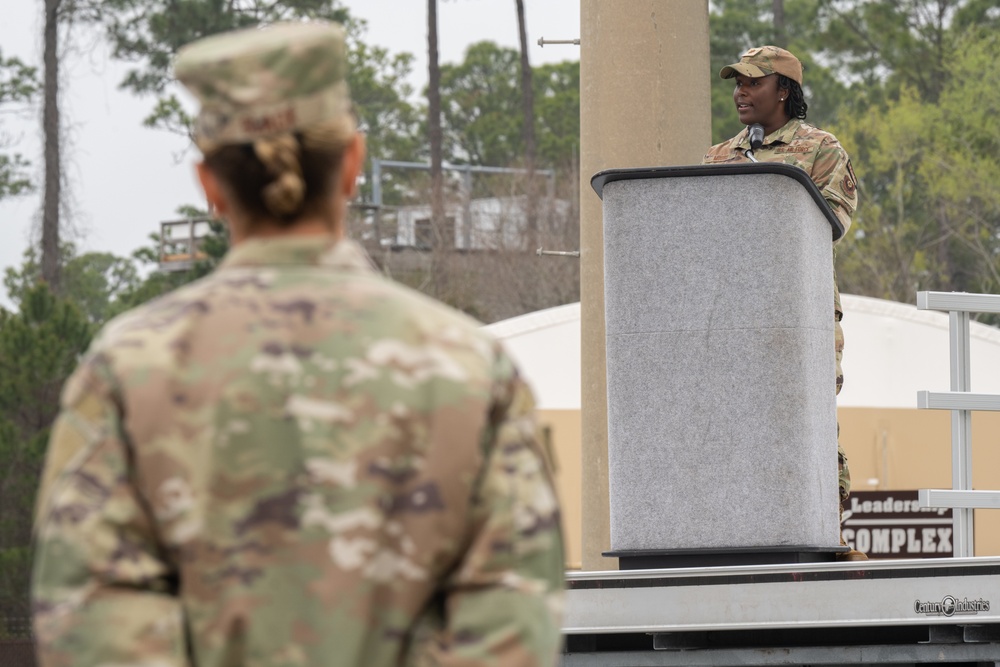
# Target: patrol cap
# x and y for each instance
(263, 82)
(763, 60)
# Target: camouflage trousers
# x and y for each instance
(844, 482)
(843, 472)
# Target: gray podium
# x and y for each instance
(721, 373)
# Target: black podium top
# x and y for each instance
(601, 178)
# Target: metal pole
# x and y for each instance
(542, 41)
(550, 204)
(467, 208)
(629, 117)
(377, 201)
(557, 253)
(377, 182)
(163, 242)
(961, 432)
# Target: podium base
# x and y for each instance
(656, 559)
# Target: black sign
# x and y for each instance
(889, 524)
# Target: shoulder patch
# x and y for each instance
(849, 184)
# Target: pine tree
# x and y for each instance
(40, 346)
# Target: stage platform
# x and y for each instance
(888, 612)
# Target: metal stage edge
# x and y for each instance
(899, 612)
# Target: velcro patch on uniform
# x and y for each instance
(793, 149)
(850, 182)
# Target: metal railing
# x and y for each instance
(962, 402)
(466, 170)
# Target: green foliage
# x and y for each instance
(93, 281)
(961, 168)
(156, 284)
(39, 347)
(929, 216)
(481, 105)
(102, 285)
(15, 573)
(390, 121)
(894, 45)
(557, 114)
(894, 242)
(13, 176)
(150, 33)
(18, 84)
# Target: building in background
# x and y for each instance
(490, 223)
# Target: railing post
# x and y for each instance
(962, 402)
(961, 431)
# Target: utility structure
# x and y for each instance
(180, 243)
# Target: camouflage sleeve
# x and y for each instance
(503, 603)
(834, 176)
(103, 591)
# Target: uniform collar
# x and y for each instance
(298, 251)
(783, 135)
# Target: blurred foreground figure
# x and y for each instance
(293, 461)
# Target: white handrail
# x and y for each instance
(961, 498)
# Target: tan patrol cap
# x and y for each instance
(262, 82)
(763, 60)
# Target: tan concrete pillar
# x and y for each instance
(644, 102)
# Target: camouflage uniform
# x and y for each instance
(821, 156)
(295, 461)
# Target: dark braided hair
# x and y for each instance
(795, 102)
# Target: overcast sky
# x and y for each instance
(125, 179)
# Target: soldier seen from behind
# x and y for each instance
(293, 461)
(768, 91)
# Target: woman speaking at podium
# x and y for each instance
(768, 92)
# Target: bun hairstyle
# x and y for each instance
(281, 158)
(284, 177)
